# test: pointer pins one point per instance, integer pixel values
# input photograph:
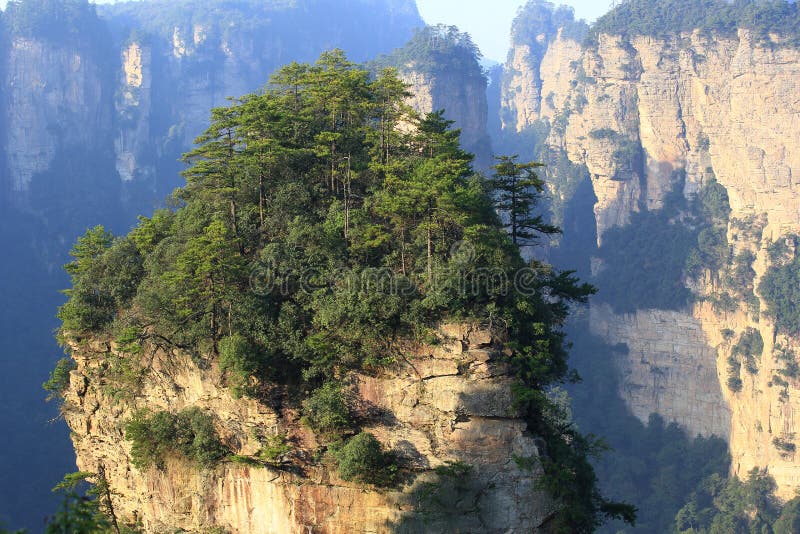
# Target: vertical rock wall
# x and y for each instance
(447, 403)
(646, 116)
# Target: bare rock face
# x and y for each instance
(55, 101)
(448, 403)
(641, 113)
(670, 368)
(137, 89)
(133, 108)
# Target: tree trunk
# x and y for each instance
(261, 203)
(103, 483)
(347, 201)
(403, 249)
(514, 211)
(214, 345)
(430, 242)
(234, 224)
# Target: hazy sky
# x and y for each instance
(488, 21)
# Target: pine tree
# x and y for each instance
(517, 190)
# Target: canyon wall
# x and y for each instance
(641, 118)
(55, 100)
(136, 82)
(451, 402)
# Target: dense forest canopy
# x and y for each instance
(322, 223)
(660, 18)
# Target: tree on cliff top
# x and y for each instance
(303, 238)
(437, 49)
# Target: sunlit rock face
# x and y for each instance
(450, 402)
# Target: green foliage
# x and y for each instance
(788, 358)
(273, 449)
(59, 378)
(779, 250)
(722, 506)
(189, 434)
(77, 515)
(750, 347)
(105, 274)
(604, 133)
(362, 459)
(237, 358)
(741, 277)
(786, 446)
(713, 203)
(703, 142)
(780, 289)
(539, 17)
(327, 409)
(89, 513)
(437, 49)
(646, 262)
(789, 520)
(734, 381)
(62, 22)
(662, 18)
(727, 334)
(517, 189)
(448, 495)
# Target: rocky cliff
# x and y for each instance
(55, 101)
(446, 403)
(642, 117)
(441, 67)
(141, 77)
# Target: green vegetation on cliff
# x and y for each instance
(780, 289)
(723, 505)
(315, 232)
(188, 434)
(662, 18)
(438, 49)
(646, 262)
(539, 17)
(61, 22)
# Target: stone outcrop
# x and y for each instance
(642, 113)
(670, 368)
(133, 107)
(446, 403)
